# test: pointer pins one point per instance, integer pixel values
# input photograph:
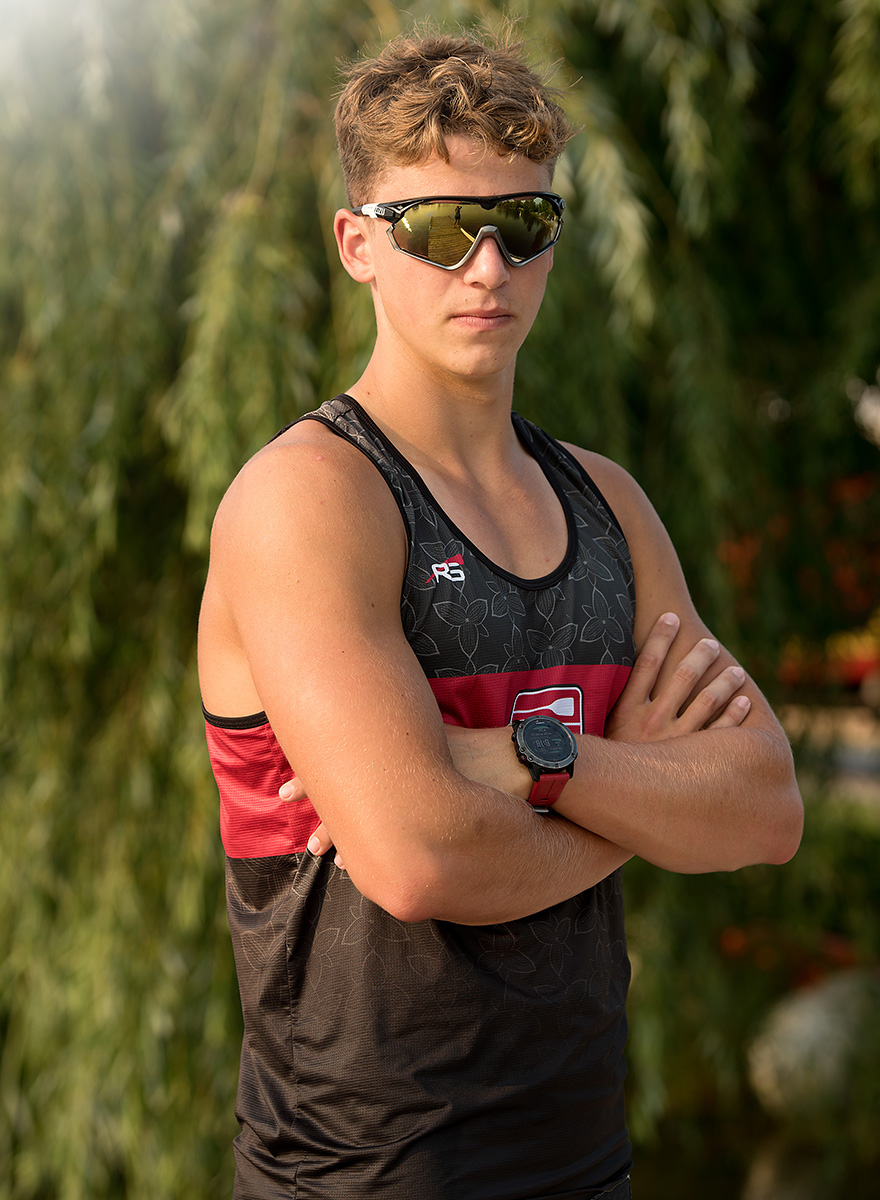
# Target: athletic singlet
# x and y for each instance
(435, 1061)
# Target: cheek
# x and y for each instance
(533, 290)
(409, 289)
(405, 307)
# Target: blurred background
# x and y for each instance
(169, 297)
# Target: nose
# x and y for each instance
(487, 266)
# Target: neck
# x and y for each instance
(449, 422)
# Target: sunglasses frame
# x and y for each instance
(395, 210)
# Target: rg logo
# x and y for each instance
(451, 569)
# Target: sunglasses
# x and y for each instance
(446, 230)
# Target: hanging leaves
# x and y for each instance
(170, 295)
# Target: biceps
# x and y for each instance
(358, 722)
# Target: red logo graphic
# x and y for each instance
(449, 569)
(566, 703)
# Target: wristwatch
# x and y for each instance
(548, 748)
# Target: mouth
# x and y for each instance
(484, 317)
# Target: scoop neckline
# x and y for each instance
(527, 440)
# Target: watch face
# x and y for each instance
(548, 742)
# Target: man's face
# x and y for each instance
(470, 322)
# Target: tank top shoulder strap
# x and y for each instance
(552, 452)
(344, 416)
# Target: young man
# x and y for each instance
(398, 584)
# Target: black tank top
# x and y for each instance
(435, 1061)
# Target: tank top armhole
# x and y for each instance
(252, 721)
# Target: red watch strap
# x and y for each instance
(547, 790)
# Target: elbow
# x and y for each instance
(408, 905)
(410, 894)
(785, 826)
(787, 829)
(784, 822)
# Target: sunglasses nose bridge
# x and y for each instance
(493, 232)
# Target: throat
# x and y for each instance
(483, 477)
(520, 526)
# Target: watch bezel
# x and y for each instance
(521, 731)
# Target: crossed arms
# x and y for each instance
(302, 606)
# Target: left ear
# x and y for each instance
(355, 249)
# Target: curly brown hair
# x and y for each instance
(402, 105)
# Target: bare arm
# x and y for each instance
(695, 773)
(645, 712)
(716, 798)
(678, 793)
(671, 784)
(308, 555)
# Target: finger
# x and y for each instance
(734, 714)
(292, 790)
(676, 693)
(711, 699)
(649, 663)
(320, 842)
(689, 673)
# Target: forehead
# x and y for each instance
(473, 170)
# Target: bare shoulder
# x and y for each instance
(308, 493)
(294, 548)
(306, 466)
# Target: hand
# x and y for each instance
(641, 716)
(293, 792)
(638, 716)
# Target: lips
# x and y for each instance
(483, 314)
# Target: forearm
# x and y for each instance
(713, 800)
(707, 801)
(499, 863)
(694, 774)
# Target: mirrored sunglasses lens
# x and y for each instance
(443, 231)
(526, 226)
(433, 231)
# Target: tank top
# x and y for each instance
(430, 1060)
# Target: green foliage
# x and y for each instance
(711, 955)
(169, 296)
(727, 222)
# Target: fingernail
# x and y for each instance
(314, 846)
(738, 673)
(669, 618)
(711, 643)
